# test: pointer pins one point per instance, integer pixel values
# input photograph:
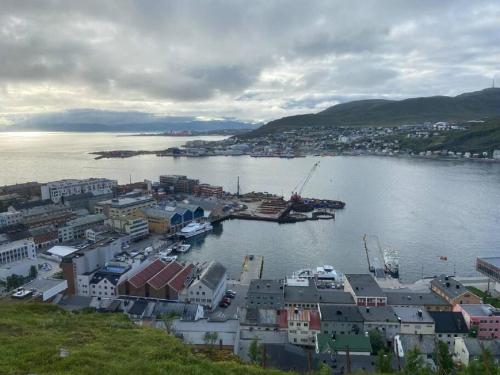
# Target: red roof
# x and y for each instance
(180, 279)
(141, 278)
(165, 275)
(283, 318)
(314, 321)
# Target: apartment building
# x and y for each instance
(57, 190)
(481, 318)
(17, 250)
(125, 206)
(365, 290)
(10, 218)
(303, 325)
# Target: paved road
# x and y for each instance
(231, 312)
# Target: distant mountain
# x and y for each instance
(379, 112)
(89, 120)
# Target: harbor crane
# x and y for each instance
(300, 186)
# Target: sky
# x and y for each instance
(247, 60)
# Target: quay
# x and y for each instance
(373, 255)
(251, 269)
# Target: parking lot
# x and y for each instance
(231, 312)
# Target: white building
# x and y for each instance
(134, 227)
(10, 218)
(76, 228)
(415, 320)
(17, 250)
(303, 326)
(496, 154)
(57, 189)
(208, 288)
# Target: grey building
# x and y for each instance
(382, 318)
(309, 296)
(448, 326)
(365, 290)
(340, 319)
(208, 287)
(430, 300)
(265, 294)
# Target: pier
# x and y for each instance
(251, 269)
(373, 255)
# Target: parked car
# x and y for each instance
(226, 300)
(230, 293)
(223, 304)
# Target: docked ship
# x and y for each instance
(324, 272)
(194, 229)
(391, 260)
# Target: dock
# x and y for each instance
(251, 269)
(373, 256)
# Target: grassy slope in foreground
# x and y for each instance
(32, 334)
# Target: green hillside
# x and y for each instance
(479, 138)
(31, 336)
(377, 112)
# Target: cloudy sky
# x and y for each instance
(248, 60)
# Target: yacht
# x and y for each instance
(169, 258)
(194, 229)
(324, 272)
(183, 248)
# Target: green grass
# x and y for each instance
(495, 302)
(31, 336)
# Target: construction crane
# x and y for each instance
(300, 186)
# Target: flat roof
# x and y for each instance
(364, 285)
(409, 298)
(62, 251)
(479, 309)
(411, 314)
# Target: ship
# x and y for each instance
(325, 272)
(194, 229)
(391, 262)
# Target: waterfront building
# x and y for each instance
(340, 319)
(415, 320)
(448, 326)
(453, 291)
(302, 324)
(265, 294)
(206, 190)
(208, 286)
(490, 267)
(76, 228)
(135, 228)
(468, 349)
(307, 295)
(56, 190)
(430, 300)
(85, 200)
(365, 290)
(162, 220)
(179, 183)
(125, 206)
(481, 318)
(103, 282)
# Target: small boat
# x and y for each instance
(194, 229)
(326, 272)
(183, 248)
(169, 258)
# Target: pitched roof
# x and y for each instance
(340, 313)
(311, 294)
(165, 275)
(142, 277)
(378, 314)
(449, 322)
(411, 298)
(213, 275)
(180, 279)
(449, 286)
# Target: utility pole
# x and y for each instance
(238, 187)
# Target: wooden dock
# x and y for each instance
(252, 268)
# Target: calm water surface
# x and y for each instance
(423, 208)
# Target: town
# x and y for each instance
(96, 245)
(402, 140)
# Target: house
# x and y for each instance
(449, 325)
(307, 295)
(453, 291)
(482, 319)
(365, 290)
(340, 319)
(468, 349)
(265, 294)
(343, 344)
(208, 286)
(303, 325)
(414, 320)
(104, 282)
(381, 318)
(430, 300)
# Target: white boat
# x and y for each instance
(194, 229)
(169, 258)
(165, 253)
(184, 248)
(325, 272)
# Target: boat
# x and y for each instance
(169, 258)
(391, 260)
(183, 248)
(325, 272)
(194, 229)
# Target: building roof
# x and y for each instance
(340, 313)
(138, 307)
(62, 251)
(426, 343)
(364, 285)
(449, 286)
(186, 311)
(213, 275)
(180, 280)
(31, 204)
(475, 347)
(165, 275)
(288, 357)
(85, 220)
(127, 201)
(159, 213)
(378, 314)
(311, 294)
(413, 314)
(449, 322)
(264, 286)
(110, 273)
(480, 309)
(142, 277)
(494, 261)
(304, 315)
(412, 298)
(341, 343)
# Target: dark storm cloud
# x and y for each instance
(254, 60)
